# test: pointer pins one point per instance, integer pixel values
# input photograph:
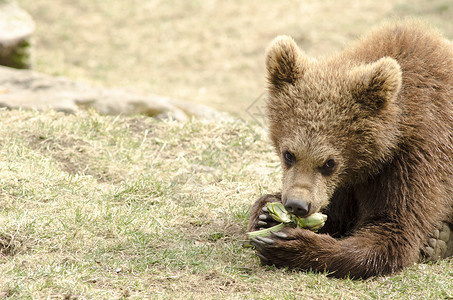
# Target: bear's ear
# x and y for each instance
(285, 62)
(377, 84)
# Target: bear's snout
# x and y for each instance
(297, 206)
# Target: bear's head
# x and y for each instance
(333, 122)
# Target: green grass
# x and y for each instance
(95, 207)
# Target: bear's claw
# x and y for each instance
(262, 241)
(262, 224)
(280, 234)
(439, 244)
(263, 259)
(265, 220)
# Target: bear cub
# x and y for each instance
(366, 137)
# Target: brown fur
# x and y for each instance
(383, 110)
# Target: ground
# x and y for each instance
(100, 207)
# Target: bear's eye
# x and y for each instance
(290, 159)
(328, 167)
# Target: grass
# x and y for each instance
(95, 207)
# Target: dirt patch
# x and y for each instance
(217, 231)
(75, 156)
(139, 125)
(9, 245)
(68, 152)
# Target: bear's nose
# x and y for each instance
(297, 206)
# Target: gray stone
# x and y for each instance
(16, 29)
(29, 89)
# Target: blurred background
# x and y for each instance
(209, 52)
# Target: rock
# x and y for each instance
(197, 110)
(29, 89)
(16, 28)
(115, 102)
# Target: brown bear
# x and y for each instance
(366, 137)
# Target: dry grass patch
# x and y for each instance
(168, 202)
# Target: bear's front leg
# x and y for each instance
(259, 217)
(366, 254)
(295, 248)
